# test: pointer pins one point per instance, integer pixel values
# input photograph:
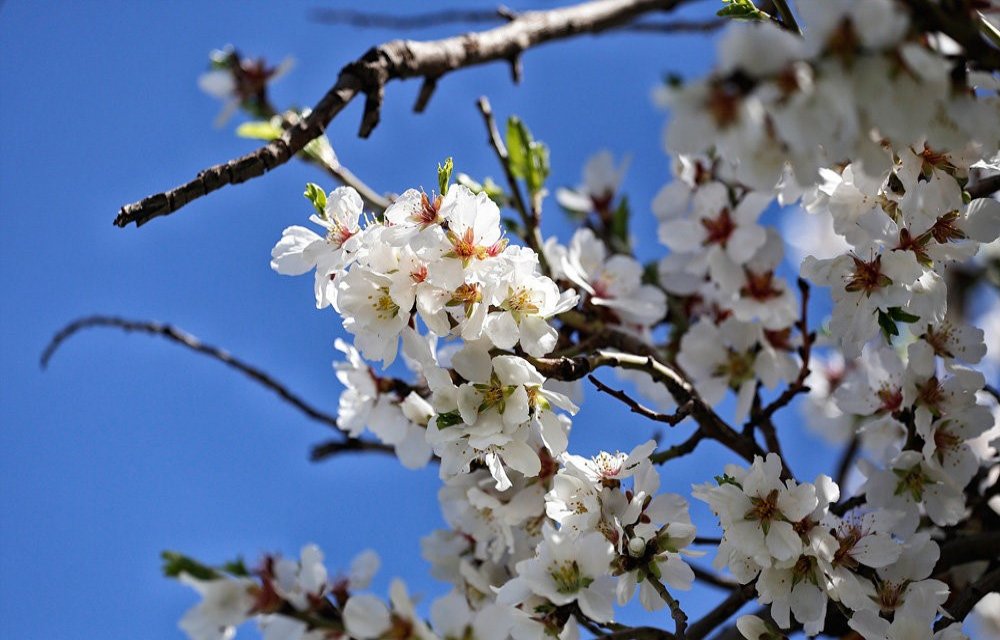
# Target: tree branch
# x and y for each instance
(704, 626)
(713, 579)
(969, 597)
(396, 60)
(805, 351)
(431, 19)
(709, 422)
(187, 340)
(638, 408)
(680, 618)
(984, 186)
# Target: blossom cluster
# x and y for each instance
(541, 541)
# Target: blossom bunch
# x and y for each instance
(543, 542)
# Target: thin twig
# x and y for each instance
(187, 340)
(805, 351)
(709, 422)
(432, 19)
(396, 22)
(787, 18)
(844, 466)
(530, 218)
(634, 405)
(679, 450)
(713, 579)
(722, 612)
(399, 59)
(680, 618)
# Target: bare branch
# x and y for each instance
(704, 626)
(709, 422)
(399, 59)
(638, 408)
(805, 351)
(968, 548)
(330, 448)
(984, 186)
(713, 579)
(530, 219)
(678, 450)
(431, 19)
(969, 597)
(993, 391)
(844, 466)
(680, 618)
(187, 340)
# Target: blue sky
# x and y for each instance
(128, 445)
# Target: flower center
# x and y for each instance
(867, 276)
(385, 307)
(718, 229)
(765, 510)
(567, 576)
(759, 286)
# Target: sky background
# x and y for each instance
(129, 445)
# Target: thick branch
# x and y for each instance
(704, 626)
(187, 340)
(968, 548)
(395, 60)
(969, 597)
(984, 187)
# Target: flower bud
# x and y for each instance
(636, 547)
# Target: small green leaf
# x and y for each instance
(727, 479)
(619, 225)
(444, 175)
(176, 563)
(237, 568)
(888, 325)
(315, 194)
(741, 10)
(528, 158)
(518, 144)
(897, 314)
(259, 130)
(449, 419)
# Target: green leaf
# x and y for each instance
(741, 10)
(518, 145)
(444, 175)
(888, 325)
(237, 568)
(619, 225)
(529, 158)
(259, 130)
(176, 563)
(449, 419)
(315, 194)
(725, 478)
(897, 314)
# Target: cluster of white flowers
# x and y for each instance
(541, 541)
